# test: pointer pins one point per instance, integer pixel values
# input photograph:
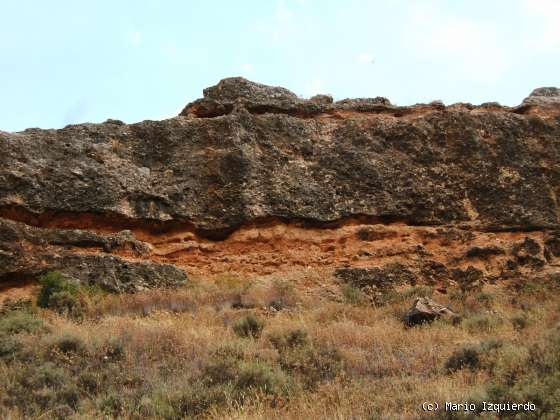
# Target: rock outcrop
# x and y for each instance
(425, 310)
(250, 163)
(543, 96)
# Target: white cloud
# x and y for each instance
(365, 57)
(315, 86)
(247, 68)
(134, 38)
(282, 24)
(472, 49)
(285, 25)
(546, 35)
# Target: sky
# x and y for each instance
(66, 62)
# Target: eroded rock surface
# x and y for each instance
(254, 179)
(425, 310)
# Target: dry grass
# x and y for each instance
(173, 354)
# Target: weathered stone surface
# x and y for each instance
(493, 169)
(31, 251)
(529, 252)
(484, 252)
(248, 154)
(468, 279)
(543, 96)
(425, 310)
(118, 275)
(377, 277)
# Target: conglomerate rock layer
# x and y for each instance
(253, 179)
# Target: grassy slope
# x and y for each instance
(176, 354)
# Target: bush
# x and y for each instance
(473, 356)
(67, 304)
(61, 295)
(36, 389)
(259, 376)
(113, 349)
(481, 323)
(112, 405)
(68, 344)
(88, 382)
(159, 405)
(196, 399)
(486, 299)
(249, 326)
(467, 357)
(520, 321)
(222, 366)
(531, 374)
(47, 375)
(51, 283)
(312, 363)
(353, 295)
(229, 376)
(290, 339)
(17, 322)
(9, 347)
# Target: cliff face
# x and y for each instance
(253, 179)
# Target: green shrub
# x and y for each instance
(9, 347)
(113, 349)
(481, 323)
(16, 322)
(69, 396)
(229, 376)
(487, 299)
(89, 382)
(290, 339)
(223, 364)
(352, 294)
(159, 405)
(520, 321)
(312, 363)
(68, 344)
(61, 295)
(467, 357)
(37, 389)
(259, 376)
(51, 283)
(46, 375)
(199, 398)
(68, 304)
(249, 326)
(112, 405)
(473, 356)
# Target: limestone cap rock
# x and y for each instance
(543, 96)
(238, 92)
(233, 88)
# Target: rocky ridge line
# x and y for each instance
(249, 156)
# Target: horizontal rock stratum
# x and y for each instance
(248, 172)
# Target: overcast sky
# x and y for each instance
(65, 62)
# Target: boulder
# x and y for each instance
(425, 310)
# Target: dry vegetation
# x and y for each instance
(271, 348)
